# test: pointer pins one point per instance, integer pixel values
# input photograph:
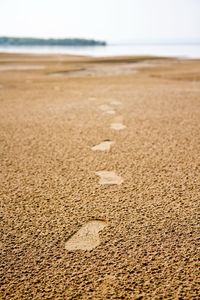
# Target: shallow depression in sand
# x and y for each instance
(104, 146)
(87, 237)
(110, 112)
(115, 102)
(107, 109)
(109, 177)
(92, 98)
(56, 88)
(117, 126)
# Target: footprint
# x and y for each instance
(109, 177)
(92, 98)
(87, 237)
(117, 126)
(104, 146)
(110, 112)
(56, 88)
(115, 103)
(28, 81)
(107, 109)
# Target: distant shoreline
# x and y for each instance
(18, 42)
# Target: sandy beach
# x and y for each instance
(99, 177)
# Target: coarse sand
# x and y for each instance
(83, 224)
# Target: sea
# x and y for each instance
(163, 50)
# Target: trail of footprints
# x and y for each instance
(109, 177)
(87, 237)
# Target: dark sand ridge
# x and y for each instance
(49, 190)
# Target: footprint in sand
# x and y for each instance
(117, 126)
(109, 177)
(107, 109)
(115, 103)
(104, 146)
(92, 98)
(56, 88)
(87, 237)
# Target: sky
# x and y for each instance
(109, 20)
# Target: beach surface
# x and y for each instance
(99, 177)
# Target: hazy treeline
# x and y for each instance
(12, 41)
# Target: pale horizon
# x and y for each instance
(126, 21)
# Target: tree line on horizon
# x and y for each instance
(13, 41)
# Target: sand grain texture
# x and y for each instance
(49, 190)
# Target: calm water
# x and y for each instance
(189, 51)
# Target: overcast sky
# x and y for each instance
(110, 20)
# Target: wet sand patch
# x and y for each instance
(87, 237)
(109, 177)
(71, 73)
(104, 146)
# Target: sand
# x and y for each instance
(103, 146)
(87, 237)
(109, 177)
(117, 126)
(64, 235)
